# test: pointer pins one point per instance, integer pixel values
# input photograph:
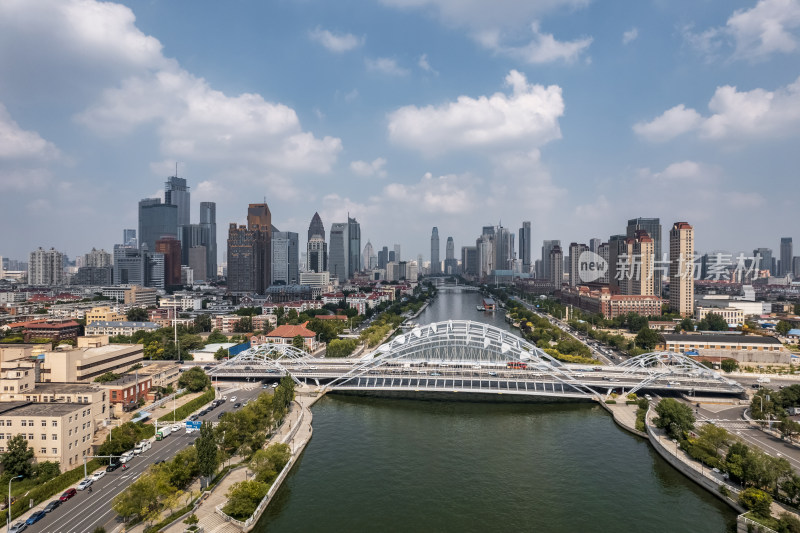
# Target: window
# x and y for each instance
(55, 436)
(70, 433)
(44, 423)
(70, 447)
(44, 436)
(43, 451)
(30, 436)
(55, 423)
(55, 451)
(30, 423)
(24, 423)
(2, 436)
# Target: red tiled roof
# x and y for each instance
(290, 332)
(53, 325)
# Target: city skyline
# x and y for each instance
(659, 99)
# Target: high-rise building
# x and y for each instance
(249, 250)
(259, 219)
(617, 247)
(285, 258)
(208, 221)
(642, 282)
(556, 266)
(681, 263)
(653, 228)
(603, 251)
(575, 251)
(46, 267)
(129, 265)
(525, 246)
(171, 248)
(198, 256)
(469, 260)
(486, 256)
(97, 258)
(764, 259)
(156, 220)
(436, 266)
(503, 249)
(397, 253)
(129, 237)
(450, 261)
(339, 256)
(316, 228)
(383, 257)
(786, 256)
(177, 193)
(367, 254)
(155, 273)
(594, 245)
(796, 267)
(547, 246)
(354, 247)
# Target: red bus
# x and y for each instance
(516, 365)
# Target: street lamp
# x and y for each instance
(8, 514)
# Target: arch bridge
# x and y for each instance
(462, 356)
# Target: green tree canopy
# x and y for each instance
(298, 341)
(194, 380)
(647, 338)
(757, 501)
(108, 376)
(137, 314)
(783, 327)
(243, 498)
(207, 456)
(674, 417)
(220, 354)
(713, 322)
(244, 325)
(216, 337)
(17, 459)
(729, 365)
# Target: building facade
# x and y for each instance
(46, 267)
(681, 272)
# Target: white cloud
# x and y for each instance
(671, 123)
(425, 65)
(528, 117)
(690, 171)
(630, 35)
(543, 48)
(736, 114)
(351, 96)
(770, 27)
(385, 65)
(366, 169)
(17, 143)
(451, 194)
(335, 42)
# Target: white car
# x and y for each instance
(83, 485)
(233, 398)
(176, 427)
(125, 457)
(97, 475)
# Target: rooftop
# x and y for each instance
(286, 331)
(39, 409)
(64, 388)
(722, 339)
(125, 324)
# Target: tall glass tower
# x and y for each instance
(436, 266)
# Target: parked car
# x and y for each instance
(113, 466)
(85, 484)
(233, 398)
(176, 427)
(237, 405)
(17, 527)
(35, 517)
(52, 505)
(127, 456)
(220, 415)
(98, 475)
(69, 493)
(193, 418)
(275, 385)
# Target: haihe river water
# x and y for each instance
(387, 465)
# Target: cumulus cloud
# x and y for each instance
(755, 114)
(543, 47)
(335, 42)
(367, 169)
(528, 117)
(385, 65)
(754, 34)
(17, 143)
(450, 194)
(630, 35)
(425, 65)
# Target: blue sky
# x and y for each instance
(574, 114)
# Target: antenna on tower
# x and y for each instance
(176, 169)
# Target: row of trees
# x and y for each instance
(266, 464)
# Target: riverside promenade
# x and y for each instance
(296, 431)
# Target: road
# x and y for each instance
(86, 511)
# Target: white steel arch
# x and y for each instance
(664, 364)
(263, 359)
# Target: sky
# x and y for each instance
(574, 114)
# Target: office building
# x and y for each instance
(338, 256)
(556, 265)
(383, 257)
(575, 251)
(46, 267)
(208, 221)
(285, 258)
(397, 253)
(177, 193)
(129, 237)
(367, 254)
(156, 220)
(525, 246)
(354, 247)
(484, 246)
(503, 249)
(594, 245)
(317, 248)
(94, 276)
(316, 228)
(653, 228)
(764, 259)
(681, 273)
(786, 256)
(469, 260)
(450, 261)
(171, 249)
(129, 265)
(436, 266)
(603, 250)
(617, 247)
(249, 250)
(198, 256)
(547, 247)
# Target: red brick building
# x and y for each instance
(53, 330)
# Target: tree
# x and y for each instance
(137, 314)
(207, 456)
(341, 347)
(687, 324)
(108, 376)
(713, 322)
(783, 327)
(729, 365)
(298, 342)
(244, 325)
(47, 470)
(266, 464)
(757, 501)
(202, 323)
(647, 338)
(674, 417)
(17, 460)
(243, 498)
(216, 337)
(194, 380)
(220, 354)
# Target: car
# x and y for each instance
(237, 405)
(224, 397)
(233, 398)
(98, 475)
(435, 374)
(193, 418)
(69, 493)
(113, 466)
(159, 462)
(274, 385)
(220, 415)
(125, 457)
(176, 427)
(491, 373)
(85, 484)
(17, 527)
(52, 505)
(35, 517)
(264, 386)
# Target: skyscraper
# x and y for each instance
(46, 267)
(97, 258)
(317, 248)
(450, 261)
(547, 246)
(338, 258)
(469, 260)
(764, 259)
(156, 220)
(285, 258)
(129, 265)
(365, 256)
(259, 219)
(249, 251)
(383, 257)
(397, 252)
(503, 249)
(653, 228)
(129, 237)
(575, 251)
(316, 227)
(616, 248)
(354, 247)
(525, 246)
(555, 268)
(594, 245)
(208, 221)
(786, 256)
(177, 193)
(681, 274)
(436, 266)
(171, 248)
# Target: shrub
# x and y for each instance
(757, 501)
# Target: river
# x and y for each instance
(404, 465)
